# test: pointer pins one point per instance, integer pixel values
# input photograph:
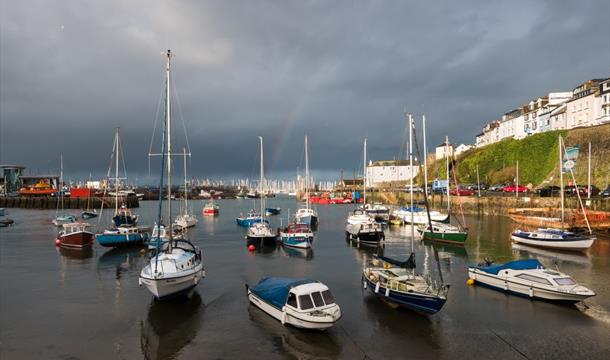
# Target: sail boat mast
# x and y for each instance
(261, 187)
(168, 117)
(425, 156)
(116, 171)
(447, 163)
(411, 181)
(186, 196)
(561, 180)
(306, 174)
(364, 173)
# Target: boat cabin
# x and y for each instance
(309, 297)
(75, 227)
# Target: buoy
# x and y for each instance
(251, 247)
(469, 282)
(57, 242)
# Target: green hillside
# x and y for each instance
(538, 159)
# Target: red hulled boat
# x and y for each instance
(75, 235)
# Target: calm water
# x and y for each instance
(63, 305)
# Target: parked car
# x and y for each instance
(497, 187)
(605, 193)
(461, 191)
(549, 191)
(582, 190)
(514, 188)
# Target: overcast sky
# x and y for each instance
(72, 71)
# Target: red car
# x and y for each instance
(513, 188)
(461, 191)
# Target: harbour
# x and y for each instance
(94, 297)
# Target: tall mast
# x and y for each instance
(61, 179)
(364, 173)
(447, 162)
(261, 186)
(116, 171)
(186, 196)
(561, 178)
(425, 157)
(411, 181)
(168, 117)
(306, 173)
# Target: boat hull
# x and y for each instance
(117, 240)
(287, 318)
(76, 240)
(508, 286)
(453, 237)
(171, 287)
(572, 245)
(297, 241)
(354, 233)
(272, 211)
(420, 303)
(248, 222)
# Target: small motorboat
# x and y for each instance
(124, 216)
(364, 229)
(297, 235)
(529, 278)
(378, 211)
(307, 216)
(88, 214)
(173, 271)
(75, 235)
(443, 232)
(302, 303)
(260, 233)
(272, 211)
(210, 209)
(250, 219)
(60, 220)
(553, 238)
(122, 236)
(396, 220)
(397, 283)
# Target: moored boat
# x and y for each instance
(211, 209)
(443, 232)
(307, 215)
(75, 235)
(302, 303)
(61, 220)
(395, 282)
(297, 235)
(88, 214)
(363, 229)
(124, 216)
(378, 211)
(122, 236)
(553, 238)
(250, 219)
(269, 211)
(531, 279)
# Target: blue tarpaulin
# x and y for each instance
(529, 264)
(274, 290)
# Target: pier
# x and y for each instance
(29, 202)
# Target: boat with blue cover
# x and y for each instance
(529, 278)
(122, 236)
(302, 303)
(395, 282)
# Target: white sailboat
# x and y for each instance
(307, 215)
(61, 220)
(260, 233)
(178, 268)
(187, 219)
(361, 227)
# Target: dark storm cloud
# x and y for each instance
(72, 71)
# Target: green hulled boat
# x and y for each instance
(444, 233)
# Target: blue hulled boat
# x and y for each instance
(122, 236)
(395, 282)
(249, 220)
(297, 235)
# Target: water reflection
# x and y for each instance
(523, 251)
(170, 326)
(123, 261)
(300, 343)
(78, 254)
(306, 254)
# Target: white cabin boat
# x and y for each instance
(553, 238)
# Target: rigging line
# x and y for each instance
(457, 189)
(152, 138)
(122, 159)
(175, 92)
(160, 208)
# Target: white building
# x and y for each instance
(463, 148)
(581, 109)
(443, 149)
(387, 171)
(602, 103)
